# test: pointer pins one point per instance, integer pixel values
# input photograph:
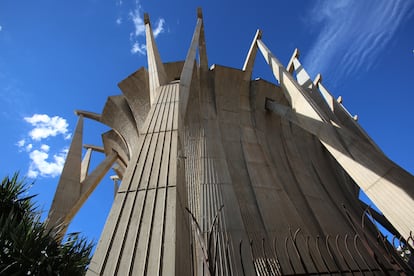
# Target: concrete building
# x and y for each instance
(224, 175)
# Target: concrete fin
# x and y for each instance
(136, 91)
(123, 123)
(384, 182)
(202, 48)
(68, 188)
(251, 56)
(85, 164)
(294, 93)
(157, 75)
(295, 55)
(187, 73)
(308, 86)
(112, 141)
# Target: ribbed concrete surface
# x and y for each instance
(214, 182)
(135, 238)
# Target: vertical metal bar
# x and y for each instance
(320, 255)
(361, 255)
(297, 250)
(310, 253)
(332, 257)
(241, 257)
(277, 256)
(288, 256)
(340, 254)
(350, 254)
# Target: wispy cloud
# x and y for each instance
(137, 48)
(42, 161)
(160, 27)
(352, 33)
(1, 28)
(138, 21)
(139, 30)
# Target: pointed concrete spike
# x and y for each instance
(187, 72)
(146, 19)
(68, 189)
(318, 79)
(295, 55)
(199, 12)
(156, 71)
(251, 57)
(202, 48)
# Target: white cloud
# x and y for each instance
(160, 27)
(43, 161)
(136, 48)
(41, 165)
(45, 147)
(45, 126)
(1, 28)
(139, 30)
(119, 21)
(138, 22)
(352, 33)
(29, 147)
(21, 143)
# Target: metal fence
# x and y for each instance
(365, 252)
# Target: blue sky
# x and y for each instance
(58, 56)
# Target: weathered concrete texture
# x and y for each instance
(141, 235)
(220, 173)
(136, 91)
(385, 183)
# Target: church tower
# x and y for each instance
(224, 175)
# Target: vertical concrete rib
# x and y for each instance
(105, 246)
(155, 231)
(141, 190)
(165, 179)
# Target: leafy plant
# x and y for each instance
(27, 246)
